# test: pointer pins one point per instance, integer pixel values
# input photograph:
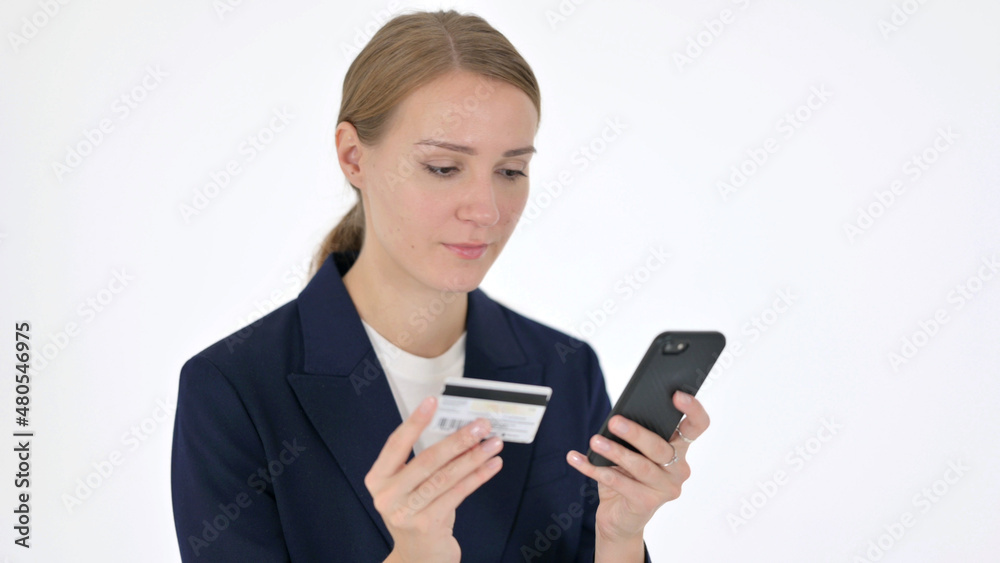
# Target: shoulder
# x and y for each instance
(541, 341)
(272, 342)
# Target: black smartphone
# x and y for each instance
(675, 361)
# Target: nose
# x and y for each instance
(479, 202)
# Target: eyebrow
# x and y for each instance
(470, 150)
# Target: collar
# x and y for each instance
(328, 315)
(344, 392)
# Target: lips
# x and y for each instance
(467, 251)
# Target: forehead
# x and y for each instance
(470, 109)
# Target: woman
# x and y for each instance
(301, 437)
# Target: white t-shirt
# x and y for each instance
(412, 378)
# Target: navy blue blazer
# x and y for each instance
(278, 424)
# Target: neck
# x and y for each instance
(421, 320)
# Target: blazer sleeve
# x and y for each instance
(218, 514)
(598, 409)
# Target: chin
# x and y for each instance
(464, 281)
(464, 275)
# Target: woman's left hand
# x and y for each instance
(631, 492)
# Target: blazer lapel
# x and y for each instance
(353, 422)
(484, 521)
(344, 392)
(343, 389)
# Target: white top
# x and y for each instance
(412, 378)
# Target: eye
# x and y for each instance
(445, 171)
(513, 177)
(439, 170)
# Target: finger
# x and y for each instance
(479, 459)
(432, 460)
(640, 466)
(694, 423)
(649, 443)
(641, 497)
(398, 445)
(452, 497)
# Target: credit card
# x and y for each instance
(514, 409)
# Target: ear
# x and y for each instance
(349, 153)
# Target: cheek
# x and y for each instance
(393, 187)
(409, 216)
(390, 216)
(512, 205)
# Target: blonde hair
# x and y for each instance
(410, 50)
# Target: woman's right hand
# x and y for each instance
(417, 500)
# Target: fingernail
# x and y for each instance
(601, 444)
(575, 458)
(619, 425)
(480, 428)
(493, 462)
(427, 405)
(492, 445)
(684, 397)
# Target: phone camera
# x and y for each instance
(674, 347)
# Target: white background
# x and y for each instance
(823, 360)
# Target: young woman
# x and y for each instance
(301, 437)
